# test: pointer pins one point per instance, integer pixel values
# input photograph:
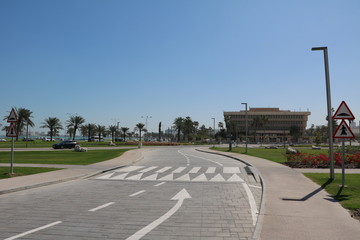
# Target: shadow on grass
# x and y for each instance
(313, 193)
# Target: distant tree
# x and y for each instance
(124, 130)
(295, 132)
(101, 131)
(178, 124)
(113, 130)
(54, 125)
(88, 130)
(140, 127)
(75, 122)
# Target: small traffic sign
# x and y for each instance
(12, 117)
(343, 131)
(11, 131)
(343, 112)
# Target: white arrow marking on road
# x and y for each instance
(180, 196)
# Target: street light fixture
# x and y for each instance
(246, 128)
(328, 95)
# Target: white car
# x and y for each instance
(2, 140)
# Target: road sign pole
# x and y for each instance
(343, 164)
(12, 157)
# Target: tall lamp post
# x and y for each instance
(246, 128)
(214, 132)
(146, 123)
(328, 95)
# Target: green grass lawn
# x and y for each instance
(22, 171)
(349, 196)
(275, 155)
(62, 157)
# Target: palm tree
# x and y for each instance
(179, 123)
(140, 126)
(101, 131)
(75, 122)
(88, 129)
(113, 129)
(24, 116)
(124, 130)
(53, 123)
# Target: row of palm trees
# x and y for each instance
(74, 124)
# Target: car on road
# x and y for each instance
(65, 144)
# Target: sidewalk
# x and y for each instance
(296, 208)
(70, 173)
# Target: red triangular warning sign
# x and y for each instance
(343, 131)
(11, 131)
(343, 112)
(12, 117)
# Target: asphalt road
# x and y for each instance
(173, 193)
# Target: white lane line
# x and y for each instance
(33, 230)
(253, 186)
(194, 170)
(102, 206)
(185, 156)
(188, 155)
(211, 170)
(164, 169)
(252, 203)
(231, 170)
(137, 193)
(179, 170)
(159, 184)
(180, 197)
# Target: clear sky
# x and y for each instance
(116, 61)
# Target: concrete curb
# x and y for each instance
(261, 215)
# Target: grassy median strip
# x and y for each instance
(349, 196)
(62, 157)
(22, 171)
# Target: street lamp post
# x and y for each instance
(246, 128)
(214, 131)
(328, 95)
(146, 123)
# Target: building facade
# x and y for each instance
(270, 125)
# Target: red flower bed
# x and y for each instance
(306, 160)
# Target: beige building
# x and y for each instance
(267, 124)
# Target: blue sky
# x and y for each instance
(116, 61)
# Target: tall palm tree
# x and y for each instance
(124, 130)
(178, 124)
(24, 119)
(88, 130)
(140, 126)
(113, 129)
(75, 122)
(53, 123)
(101, 131)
